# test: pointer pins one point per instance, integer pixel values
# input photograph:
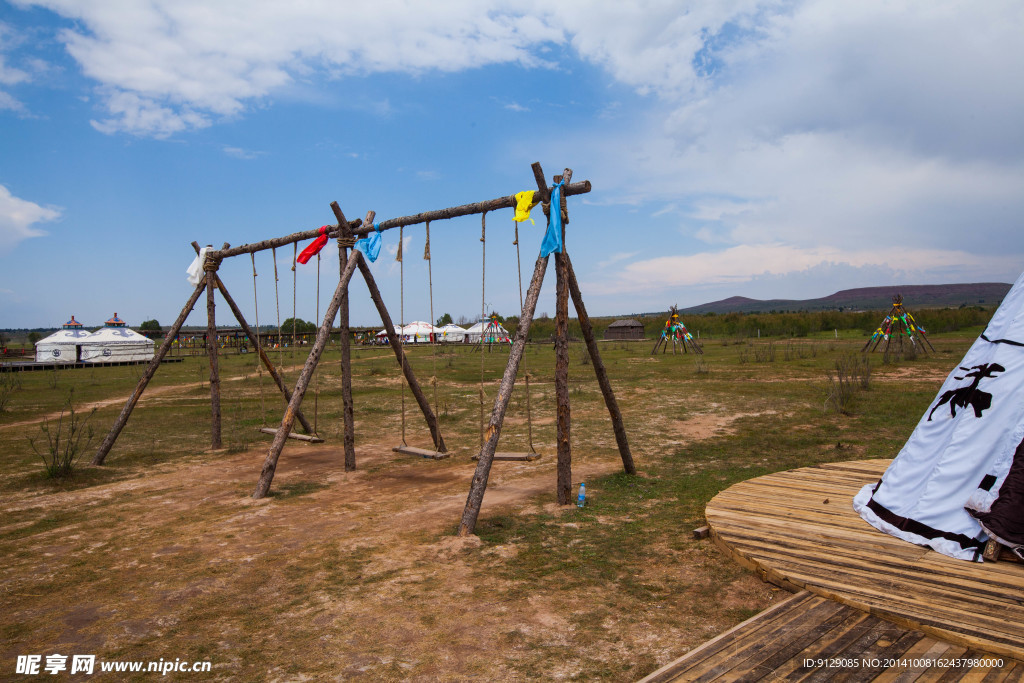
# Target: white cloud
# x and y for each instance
(811, 131)
(10, 75)
(616, 258)
(822, 133)
(18, 218)
(239, 153)
(746, 264)
(169, 65)
(9, 102)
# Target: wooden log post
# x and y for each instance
(287, 395)
(563, 415)
(211, 266)
(410, 376)
(602, 374)
(322, 335)
(483, 465)
(345, 240)
(122, 419)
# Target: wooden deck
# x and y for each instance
(798, 530)
(809, 638)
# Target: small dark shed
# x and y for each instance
(625, 329)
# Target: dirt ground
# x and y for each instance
(341, 575)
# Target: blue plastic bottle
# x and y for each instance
(581, 499)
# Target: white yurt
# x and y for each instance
(63, 346)
(451, 333)
(115, 343)
(418, 332)
(959, 480)
(490, 330)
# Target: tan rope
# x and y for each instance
(259, 362)
(295, 256)
(483, 312)
(430, 280)
(401, 309)
(526, 372)
(316, 396)
(277, 307)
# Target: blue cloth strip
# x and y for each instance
(553, 237)
(370, 245)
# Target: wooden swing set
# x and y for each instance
(346, 234)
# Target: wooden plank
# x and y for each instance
(724, 642)
(421, 452)
(513, 457)
(309, 438)
(780, 526)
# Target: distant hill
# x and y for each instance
(868, 298)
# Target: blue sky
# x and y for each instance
(766, 149)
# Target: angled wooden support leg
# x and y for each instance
(483, 465)
(600, 371)
(322, 335)
(410, 376)
(122, 419)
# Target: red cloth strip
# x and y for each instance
(314, 247)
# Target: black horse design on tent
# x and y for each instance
(971, 395)
(959, 480)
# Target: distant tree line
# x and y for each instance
(774, 324)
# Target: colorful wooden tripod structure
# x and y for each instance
(676, 331)
(491, 332)
(897, 326)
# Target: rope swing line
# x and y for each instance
(401, 315)
(277, 307)
(483, 312)
(526, 372)
(430, 280)
(259, 365)
(316, 394)
(295, 256)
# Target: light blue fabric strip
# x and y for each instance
(370, 245)
(553, 237)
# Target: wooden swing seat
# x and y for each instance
(513, 457)
(293, 435)
(421, 452)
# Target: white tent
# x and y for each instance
(960, 477)
(491, 332)
(63, 345)
(418, 332)
(451, 333)
(115, 343)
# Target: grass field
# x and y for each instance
(162, 553)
